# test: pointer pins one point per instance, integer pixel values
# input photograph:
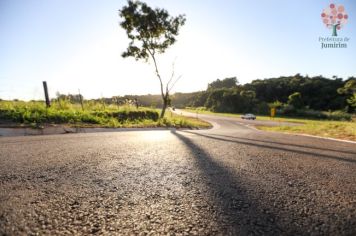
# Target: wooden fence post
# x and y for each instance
(48, 102)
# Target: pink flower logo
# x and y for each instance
(334, 17)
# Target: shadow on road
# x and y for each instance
(239, 211)
(275, 147)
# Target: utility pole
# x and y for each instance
(81, 100)
(48, 103)
(102, 100)
(136, 103)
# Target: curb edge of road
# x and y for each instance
(305, 135)
(60, 130)
(326, 138)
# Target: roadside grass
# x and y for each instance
(93, 114)
(174, 120)
(331, 129)
(325, 128)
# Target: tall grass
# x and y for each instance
(65, 112)
(174, 120)
(93, 113)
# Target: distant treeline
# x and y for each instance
(291, 94)
(317, 93)
(295, 95)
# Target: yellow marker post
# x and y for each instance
(273, 112)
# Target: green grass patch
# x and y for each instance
(331, 129)
(94, 114)
(173, 120)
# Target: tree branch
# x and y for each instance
(157, 72)
(173, 71)
(174, 83)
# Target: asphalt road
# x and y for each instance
(229, 180)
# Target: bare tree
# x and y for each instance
(151, 32)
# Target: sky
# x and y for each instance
(77, 44)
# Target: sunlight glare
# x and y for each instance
(155, 136)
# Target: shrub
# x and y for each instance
(262, 108)
(136, 115)
(340, 115)
(289, 110)
(308, 113)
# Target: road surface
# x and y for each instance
(229, 180)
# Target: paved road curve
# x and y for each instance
(230, 180)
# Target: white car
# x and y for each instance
(248, 117)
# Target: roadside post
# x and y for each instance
(273, 112)
(136, 103)
(48, 103)
(81, 99)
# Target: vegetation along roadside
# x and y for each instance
(92, 114)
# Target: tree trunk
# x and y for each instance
(165, 104)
